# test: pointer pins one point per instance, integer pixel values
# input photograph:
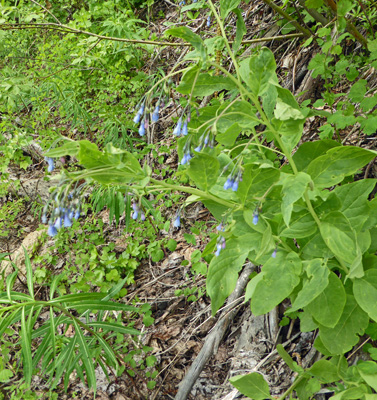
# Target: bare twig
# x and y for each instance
(67, 29)
(48, 11)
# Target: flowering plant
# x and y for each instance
(289, 208)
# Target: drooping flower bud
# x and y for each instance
(155, 115)
(178, 128)
(50, 163)
(177, 221)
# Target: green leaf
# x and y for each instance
(29, 274)
(229, 136)
(358, 90)
(203, 170)
(69, 148)
(302, 225)
(290, 131)
(368, 371)
(337, 163)
(365, 291)
(316, 282)
(288, 359)
(294, 187)
(203, 84)
(226, 6)
(240, 112)
(100, 305)
(111, 166)
(187, 34)
(26, 346)
(341, 239)
(353, 197)
(252, 385)
(5, 375)
(287, 106)
(111, 326)
(258, 71)
(307, 387)
(309, 151)
(344, 335)
(223, 271)
(240, 30)
(280, 275)
(327, 307)
(255, 183)
(85, 357)
(325, 371)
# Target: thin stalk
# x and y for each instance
(190, 190)
(227, 45)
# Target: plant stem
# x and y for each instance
(193, 191)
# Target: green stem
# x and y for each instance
(230, 52)
(194, 191)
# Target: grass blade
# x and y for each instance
(26, 347)
(86, 357)
(29, 274)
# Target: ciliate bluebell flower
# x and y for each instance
(228, 183)
(177, 221)
(184, 128)
(52, 231)
(137, 211)
(233, 180)
(208, 21)
(186, 158)
(273, 255)
(220, 227)
(50, 163)
(206, 140)
(255, 217)
(139, 114)
(220, 245)
(178, 128)
(142, 129)
(64, 208)
(155, 115)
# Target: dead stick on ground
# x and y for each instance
(214, 338)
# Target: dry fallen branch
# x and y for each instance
(214, 338)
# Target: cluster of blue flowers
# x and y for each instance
(64, 210)
(141, 116)
(187, 155)
(181, 129)
(137, 211)
(206, 140)
(220, 244)
(233, 180)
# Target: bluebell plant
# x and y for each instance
(65, 207)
